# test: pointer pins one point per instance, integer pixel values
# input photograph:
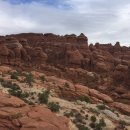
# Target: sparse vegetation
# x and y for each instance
(69, 114)
(101, 107)
(102, 122)
(43, 97)
(92, 125)
(93, 118)
(84, 98)
(93, 110)
(54, 106)
(42, 78)
(82, 127)
(29, 79)
(122, 123)
(79, 118)
(18, 93)
(14, 75)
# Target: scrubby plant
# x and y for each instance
(93, 110)
(43, 97)
(100, 125)
(102, 122)
(42, 78)
(79, 118)
(29, 79)
(69, 114)
(10, 85)
(93, 118)
(92, 125)
(101, 107)
(18, 93)
(122, 123)
(84, 98)
(14, 75)
(54, 106)
(82, 127)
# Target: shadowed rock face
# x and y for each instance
(70, 57)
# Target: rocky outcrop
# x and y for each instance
(122, 107)
(71, 58)
(17, 115)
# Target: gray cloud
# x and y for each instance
(101, 20)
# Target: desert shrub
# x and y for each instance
(101, 107)
(92, 125)
(54, 106)
(43, 97)
(79, 118)
(100, 125)
(102, 122)
(8, 84)
(14, 75)
(15, 90)
(84, 98)
(18, 93)
(69, 114)
(29, 79)
(122, 123)
(42, 78)
(93, 110)
(93, 119)
(82, 127)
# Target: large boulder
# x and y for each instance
(17, 115)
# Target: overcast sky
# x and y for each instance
(102, 21)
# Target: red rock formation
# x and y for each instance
(69, 57)
(17, 115)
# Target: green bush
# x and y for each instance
(43, 97)
(69, 114)
(14, 75)
(93, 110)
(29, 79)
(18, 93)
(54, 106)
(92, 125)
(8, 84)
(84, 98)
(101, 107)
(122, 123)
(100, 125)
(93, 118)
(79, 118)
(82, 127)
(42, 78)
(102, 122)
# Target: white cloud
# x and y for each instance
(101, 20)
